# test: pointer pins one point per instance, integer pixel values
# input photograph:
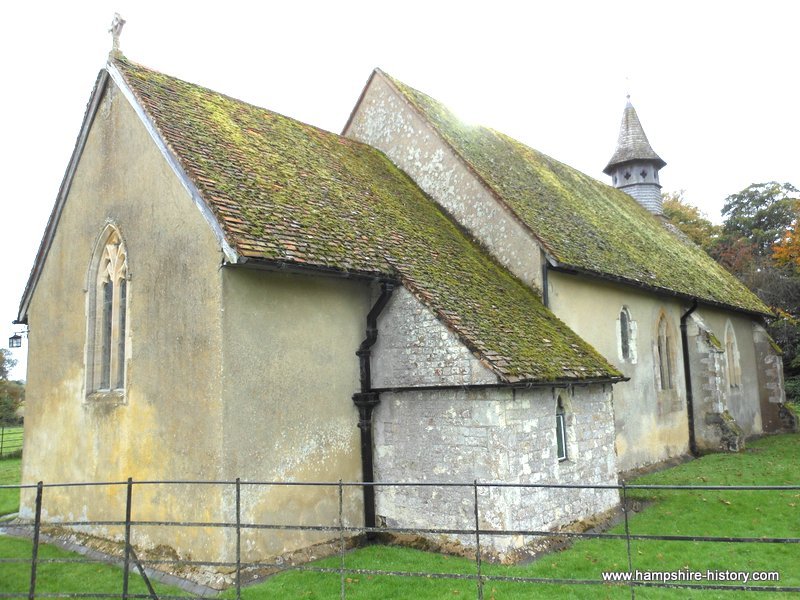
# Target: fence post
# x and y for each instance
(628, 537)
(342, 591)
(478, 541)
(2, 439)
(238, 539)
(127, 566)
(37, 524)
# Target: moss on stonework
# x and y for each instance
(287, 192)
(581, 222)
(713, 340)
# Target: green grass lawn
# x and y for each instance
(97, 578)
(770, 461)
(9, 475)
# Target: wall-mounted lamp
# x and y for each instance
(15, 341)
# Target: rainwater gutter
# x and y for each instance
(366, 400)
(687, 374)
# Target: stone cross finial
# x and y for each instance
(116, 29)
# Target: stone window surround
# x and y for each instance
(733, 369)
(106, 355)
(665, 363)
(664, 354)
(631, 327)
(562, 445)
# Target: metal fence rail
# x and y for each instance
(10, 441)
(131, 560)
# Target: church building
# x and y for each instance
(224, 292)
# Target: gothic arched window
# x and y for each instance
(625, 333)
(561, 430)
(732, 361)
(107, 314)
(664, 350)
(626, 336)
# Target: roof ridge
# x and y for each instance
(289, 193)
(394, 82)
(247, 103)
(582, 223)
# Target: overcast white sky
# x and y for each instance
(715, 83)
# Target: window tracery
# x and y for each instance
(732, 359)
(107, 315)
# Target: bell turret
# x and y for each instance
(634, 166)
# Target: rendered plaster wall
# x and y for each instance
(415, 349)
(169, 426)
(290, 370)
(495, 435)
(385, 120)
(741, 401)
(651, 423)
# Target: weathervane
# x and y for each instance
(116, 29)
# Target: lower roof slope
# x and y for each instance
(581, 222)
(287, 192)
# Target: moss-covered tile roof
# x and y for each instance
(287, 192)
(582, 223)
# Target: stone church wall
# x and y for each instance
(715, 427)
(774, 415)
(415, 349)
(388, 122)
(740, 400)
(493, 435)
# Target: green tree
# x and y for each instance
(12, 393)
(757, 245)
(756, 219)
(690, 220)
(761, 213)
(6, 364)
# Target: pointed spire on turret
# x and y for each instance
(634, 166)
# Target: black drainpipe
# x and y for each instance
(366, 400)
(545, 292)
(687, 373)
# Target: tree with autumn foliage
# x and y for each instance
(756, 219)
(690, 220)
(759, 242)
(760, 213)
(787, 250)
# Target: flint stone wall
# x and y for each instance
(494, 435)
